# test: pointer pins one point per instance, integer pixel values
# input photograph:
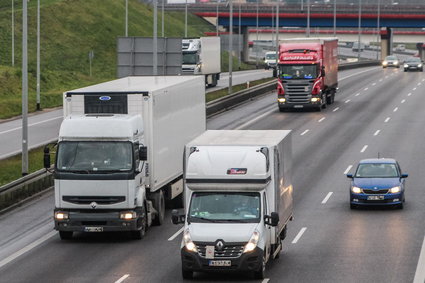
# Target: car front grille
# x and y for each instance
(375, 192)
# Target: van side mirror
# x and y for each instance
(404, 175)
(143, 153)
(350, 176)
(177, 218)
(272, 219)
(46, 157)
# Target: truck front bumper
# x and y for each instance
(95, 221)
(251, 261)
(309, 105)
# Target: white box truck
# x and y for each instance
(201, 56)
(119, 154)
(238, 200)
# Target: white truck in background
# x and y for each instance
(238, 193)
(119, 153)
(201, 56)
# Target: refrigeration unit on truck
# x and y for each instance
(307, 73)
(238, 193)
(201, 56)
(119, 153)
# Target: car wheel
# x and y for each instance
(405, 70)
(353, 206)
(65, 235)
(400, 206)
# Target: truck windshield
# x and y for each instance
(94, 156)
(289, 72)
(225, 207)
(189, 58)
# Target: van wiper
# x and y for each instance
(203, 218)
(79, 171)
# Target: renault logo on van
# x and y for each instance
(219, 246)
(93, 205)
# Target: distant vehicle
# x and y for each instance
(377, 181)
(413, 63)
(400, 47)
(358, 47)
(391, 61)
(270, 60)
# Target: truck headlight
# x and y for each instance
(188, 243)
(128, 215)
(315, 99)
(356, 190)
(252, 243)
(61, 215)
(281, 100)
(395, 190)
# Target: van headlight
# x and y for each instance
(252, 243)
(188, 243)
(395, 190)
(356, 190)
(61, 215)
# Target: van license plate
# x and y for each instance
(93, 229)
(375, 198)
(298, 106)
(220, 263)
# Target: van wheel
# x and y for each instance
(65, 235)
(187, 274)
(159, 204)
(260, 274)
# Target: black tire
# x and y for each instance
(352, 206)
(159, 204)
(282, 109)
(65, 235)
(405, 70)
(261, 273)
(187, 274)
(400, 206)
(140, 234)
(324, 102)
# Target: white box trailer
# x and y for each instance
(238, 200)
(157, 116)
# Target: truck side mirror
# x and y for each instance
(177, 218)
(272, 220)
(323, 71)
(46, 157)
(143, 153)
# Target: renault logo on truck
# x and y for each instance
(93, 204)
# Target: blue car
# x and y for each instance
(377, 181)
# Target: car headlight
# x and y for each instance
(128, 215)
(61, 215)
(188, 243)
(406, 66)
(252, 243)
(395, 62)
(384, 63)
(419, 65)
(356, 190)
(395, 190)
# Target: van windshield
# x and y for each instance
(99, 157)
(289, 72)
(271, 56)
(225, 207)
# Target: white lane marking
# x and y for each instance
(409, 94)
(176, 234)
(327, 197)
(386, 77)
(265, 280)
(380, 80)
(321, 119)
(420, 269)
(305, 132)
(27, 248)
(419, 84)
(386, 120)
(30, 125)
(348, 100)
(348, 169)
(122, 278)
(299, 235)
(336, 109)
(376, 133)
(414, 88)
(364, 149)
(374, 84)
(357, 94)
(366, 88)
(403, 101)
(395, 109)
(256, 119)
(357, 74)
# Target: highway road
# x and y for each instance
(376, 111)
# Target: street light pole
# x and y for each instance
(24, 88)
(230, 47)
(239, 39)
(256, 41)
(378, 30)
(185, 20)
(360, 30)
(216, 24)
(155, 37)
(162, 18)
(126, 18)
(308, 19)
(13, 34)
(334, 18)
(38, 57)
(277, 32)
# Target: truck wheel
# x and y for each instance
(187, 274)
(324, 102)
(159, 204)
(260, 274)
(282, 109)
(65, 235)
(139, 234)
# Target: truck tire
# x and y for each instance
(65, 235)
(324, 101)
(260, 274)
(187, 274)
(158, 201)
(331, 98)
(139, 234)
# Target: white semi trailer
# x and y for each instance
(119, 155)
(238, 200)
(201, 56)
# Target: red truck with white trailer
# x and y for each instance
(307, 73)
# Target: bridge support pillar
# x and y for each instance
(386, 43)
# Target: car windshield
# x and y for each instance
(94, 156)
(391, 58)
(413, 60)
(271, 56)
(189, 58)
(377, 170)
(288, 72)
(225, 207)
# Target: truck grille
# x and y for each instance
(90, 199)
(373, 192)
(298, 91)
(230, 250)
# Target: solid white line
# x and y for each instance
(357, 94)
(321, 119)
(376, 133)
(348, 100)
(366, 88)
(305, 132)
(265, 280)
(380, 80)
(336, 109)
(256, 119)
(386, 120)
(419, 84)
(27, 248)
(122, 278)
(403, 101)
(30, 125)
(395, 109)
(327, 197)
(374, 84)
(299, 235)
(414, 88)
(409, 94)
(357, 74)
(420, 269)
(348, 169)
(176, 234)
(364, 149)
